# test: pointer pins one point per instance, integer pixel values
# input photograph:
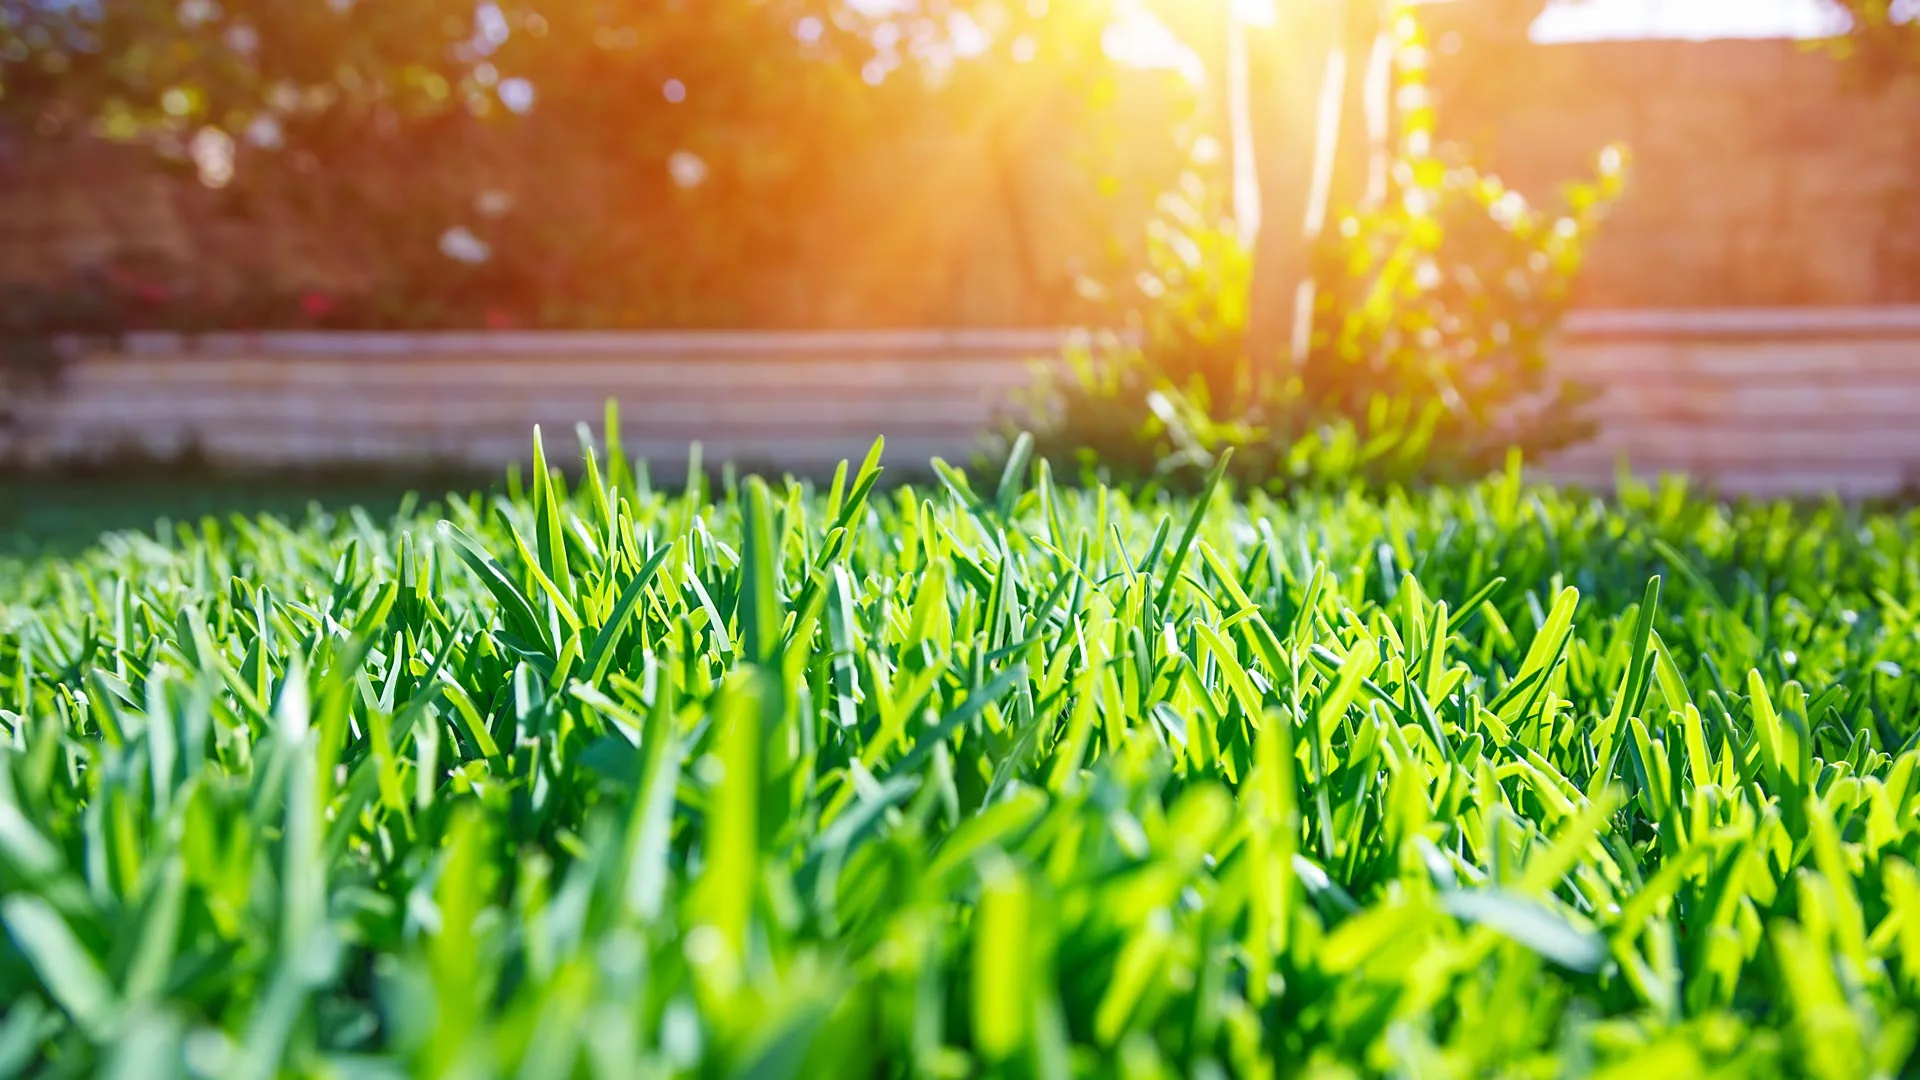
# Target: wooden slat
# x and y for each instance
(1603, 364)
(670, 344)
(421, 409)
(1770, 402)
(1673, 324)
(803, 454)
(954, 373)
(1866, 482)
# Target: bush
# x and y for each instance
(1428, 350)
(1014, 781)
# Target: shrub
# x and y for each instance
(1428, 349)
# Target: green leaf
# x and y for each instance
(69, 973)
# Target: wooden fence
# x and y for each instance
(1758, 402)
(1762, 402)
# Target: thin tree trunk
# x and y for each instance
(1239, 112)
(1361, 174)
(1376, 96)
(1307, 74)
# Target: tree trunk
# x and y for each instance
(1366, 150)
(1317, 145)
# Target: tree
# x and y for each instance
(1307, 73)
(653, 152)
(1882, 38)
(1419, 346)
(135, 66)
(1317, 78)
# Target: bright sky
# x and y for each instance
(1138, 38)
(1600, 20)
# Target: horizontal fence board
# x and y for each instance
(1785, 360)
(1722, 365)
(1859, 483)
(1721, 324)
(805, 454)
(1842, 399)
(641, 415)
(620, 344)
(1752, 444)
(1771, 402)
(305, 373)
(246, 444)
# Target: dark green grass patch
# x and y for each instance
(63, 513)
(962, 780)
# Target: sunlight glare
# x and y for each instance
(1569, 21)
(1138, 38)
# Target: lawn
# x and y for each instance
(991, 777)
(62, 514)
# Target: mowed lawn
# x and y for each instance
(986, 777)
(64, 514)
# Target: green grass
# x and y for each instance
(65, 513)
(980, 779)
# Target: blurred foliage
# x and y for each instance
(544, 163)
(1883, 42)
(1428, 356)
(318, 70)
